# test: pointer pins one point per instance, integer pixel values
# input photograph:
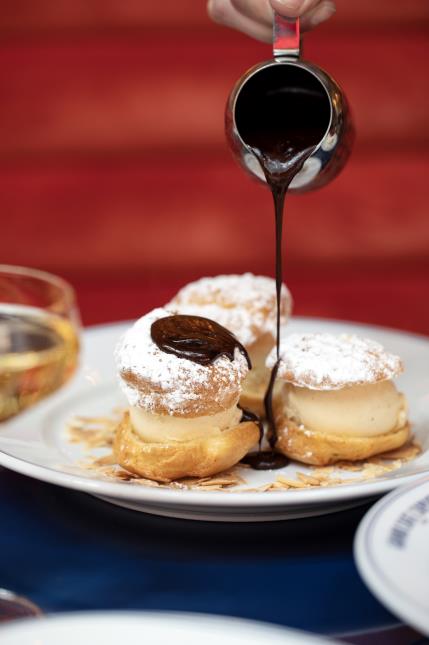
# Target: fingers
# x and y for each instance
(294, 8)
(310, 12)
(255, 17)
(258, 10)
(223, 12)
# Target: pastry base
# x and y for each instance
(165, 462)
(323, 449)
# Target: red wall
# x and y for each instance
(114, 170)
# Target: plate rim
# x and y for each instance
(124, 490)
(230, 499)
(363, 554)
(264, 628)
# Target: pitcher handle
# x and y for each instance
(286, 37)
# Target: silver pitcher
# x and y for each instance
(334, 147)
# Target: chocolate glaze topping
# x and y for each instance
(196, 339)
(282, 115)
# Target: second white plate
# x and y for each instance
(392, 553)
(110, 628)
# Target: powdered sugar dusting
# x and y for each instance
(328, 362)
(244, 304)
(172, 382)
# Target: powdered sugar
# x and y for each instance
(171, 381)
(328, 362)
(244, 304)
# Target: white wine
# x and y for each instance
(38, 353)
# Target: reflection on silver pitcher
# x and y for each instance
(288, 72)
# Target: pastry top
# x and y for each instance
(245, 304)
(328, 362)
(163, 383)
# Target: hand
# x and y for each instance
(255, 17)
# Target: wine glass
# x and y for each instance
(39, 345)
(14, 607)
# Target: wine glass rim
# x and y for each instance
(67, 290)
(10, 596)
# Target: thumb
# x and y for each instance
(293, 8)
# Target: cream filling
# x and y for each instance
(256, 381)
(259, 350)
(165, 427)
(359, 410)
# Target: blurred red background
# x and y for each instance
(114, 171)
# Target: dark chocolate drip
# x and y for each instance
(265, 460)
(268, 404)
(248, 415)
(279, 195)
(282, 114)
(279, 173)
(195, 338)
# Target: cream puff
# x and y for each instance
(246, 305)
(338, 400)
(182, 376)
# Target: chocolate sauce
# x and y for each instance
(247, 415)
(265, 460)
(195, 338)
(282, 114)
(268, 404)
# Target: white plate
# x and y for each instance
(392, 553)
(111, 628)
(35, 443)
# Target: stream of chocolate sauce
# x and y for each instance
(282, 115)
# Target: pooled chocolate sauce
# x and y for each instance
(282, 114)
(195, 338)
(265, 460)
(268, 459)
